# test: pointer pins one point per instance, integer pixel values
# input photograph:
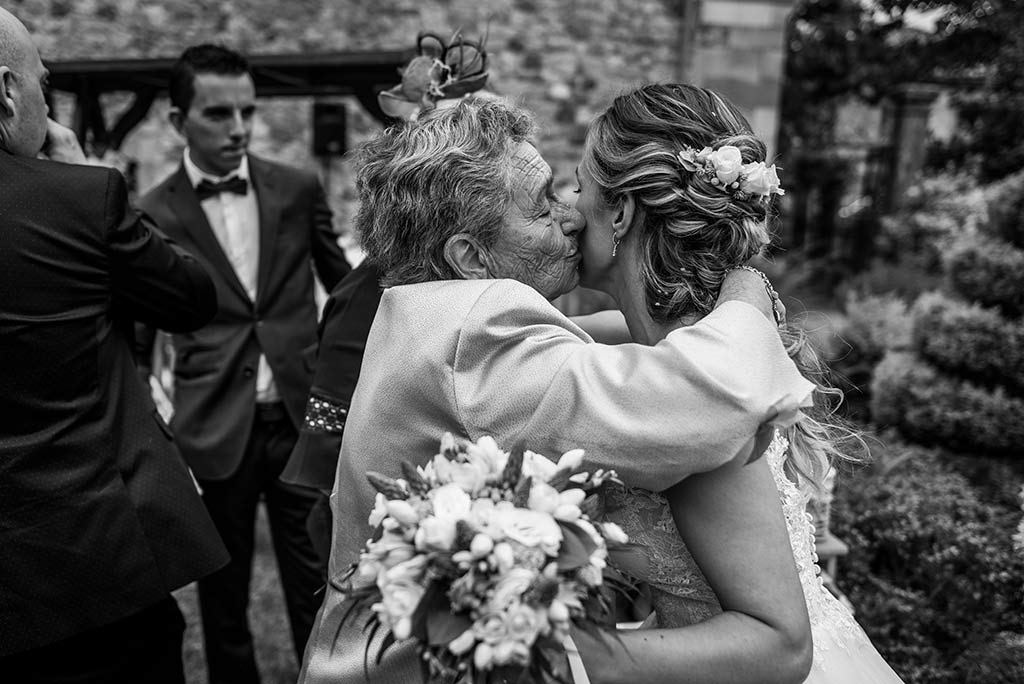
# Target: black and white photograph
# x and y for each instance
(523, 342)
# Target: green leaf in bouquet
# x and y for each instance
(549, 663)
(629, 559)
(576, 547)
(521, 494)
(513, 467)
(464, 533)
(386, 486)
(591, 507)
(560, 480)
(434, 599)
(543, 591)
(417, 483)
(443, 626)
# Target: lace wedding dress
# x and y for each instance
(681, 595)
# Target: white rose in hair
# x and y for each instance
(759, 179)
(727, 162)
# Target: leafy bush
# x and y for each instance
(1006, 209)
(934, 212)
(968, 340)
(930, 407)
(932, 571)
(870, 326)
(906, 277)
(1001, 660)
(990, 272)
(875, 324)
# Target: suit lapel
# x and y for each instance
(185, 204)
(265, 182)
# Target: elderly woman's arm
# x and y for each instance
(609, 326)
(732, 522)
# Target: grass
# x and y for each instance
(268, 619)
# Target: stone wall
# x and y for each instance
(564, 59)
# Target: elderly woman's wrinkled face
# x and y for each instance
(537, 245)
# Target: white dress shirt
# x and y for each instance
(235, 220)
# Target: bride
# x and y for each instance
(675, 193)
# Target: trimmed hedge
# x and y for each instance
(968, 340)
(990, 272)
(1006, 209)
(931, 572)
(930, 407)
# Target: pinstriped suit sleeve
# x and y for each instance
(655, 414)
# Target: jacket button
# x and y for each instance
(248, 372)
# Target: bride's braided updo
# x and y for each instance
(691, 231)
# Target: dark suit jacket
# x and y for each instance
(99, 517)
(215, 366)
(347, 317)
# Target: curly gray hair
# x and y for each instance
(421, 182)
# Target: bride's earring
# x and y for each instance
(615, 244)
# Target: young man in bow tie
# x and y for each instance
(240, 383)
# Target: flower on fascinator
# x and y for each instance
(441, 70)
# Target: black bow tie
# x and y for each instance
(206, 189)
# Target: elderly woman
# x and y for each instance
(458, 212)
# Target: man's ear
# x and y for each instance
(6, 101)
(625, 212)
(177, 119)
(464, 255)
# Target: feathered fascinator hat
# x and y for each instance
(440, 71)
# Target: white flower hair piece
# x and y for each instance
(724, 167)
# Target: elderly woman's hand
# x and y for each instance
(747, 284)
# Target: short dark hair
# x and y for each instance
(202, 59)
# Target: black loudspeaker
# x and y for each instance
(328, 129)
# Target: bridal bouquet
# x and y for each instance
(484, 557)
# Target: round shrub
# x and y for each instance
(930, 407)
(1006, 209)
(990, 272)
(931, 571)
(968, 340)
